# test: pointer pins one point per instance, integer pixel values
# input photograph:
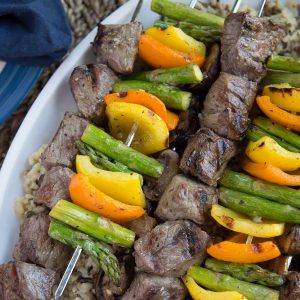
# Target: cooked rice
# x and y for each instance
(81, 285)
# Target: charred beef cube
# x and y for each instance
(171, 248)
(62, 150)
(148, 287)
(54, 186)
(89, 84)
(153, 188)
(35, 245)
(117, 45)
(206, 156)
(227, 105)
(247, 42)
(289, 242)
(186, 199)
(142, 225)
(291, 289)
(23, 281)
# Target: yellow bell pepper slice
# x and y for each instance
(175, 38)
(124, 187)
(267, 150)
(240, 223)
(152, 134)
(198, 293)
(284, 96)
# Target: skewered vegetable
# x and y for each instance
(277, 77)
(204, 33)
(92, 224)
(147, 100)
(188, 74)
(198, 293)
(125, 187)
(246, 272)
(254, 133)
(171, 96)
(250, 185)
(258, 207)
(278, 130)
(284, 63)
(176, 39)
(181, 12)
(152, 134)
(272, 174)
(247, 253)
(115, 149)
(284, 96)
(159, 55)
(266, 150)
(100, 160)
(240, 223)
(97, 250)
(84, 194)
(220, 282)
(277, 114)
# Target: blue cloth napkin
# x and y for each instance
(34, 32)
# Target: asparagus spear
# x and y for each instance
(278, 130)
(188, 74)
(255, 206)
(117, 150)
(171, 96)
(220, 282)
(254, 133)
(277, 77)
(92, 224)
(284, 63)
(250, 185)
(245, 272)
(203, 33)
(98, 251)
(100, 160)
(181, 12)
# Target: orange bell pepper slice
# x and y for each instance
(269, 173)
(277, 114)
(244, 253)
(158, 55)
(148, 100)
(84, 194)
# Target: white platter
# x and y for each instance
(43, 119)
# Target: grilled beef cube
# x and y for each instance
(89, 84)
(149, 287)
(291, 289)
(54, 186)
(227, 105)
(247, 42)
(117, 45)
(142, 225)
(62, 150)
(35, 245)
(186, 199)
(289, 242)
(153, 188)
(171, 248)
(206, 156)
(23, 281)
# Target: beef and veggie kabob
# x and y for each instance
(121, 192)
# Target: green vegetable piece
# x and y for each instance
(284, 63)
(277, 77)
(98, 251)
(245, 272)
(255, 206)
(92, 224)
(113, 148)
(171, 96)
